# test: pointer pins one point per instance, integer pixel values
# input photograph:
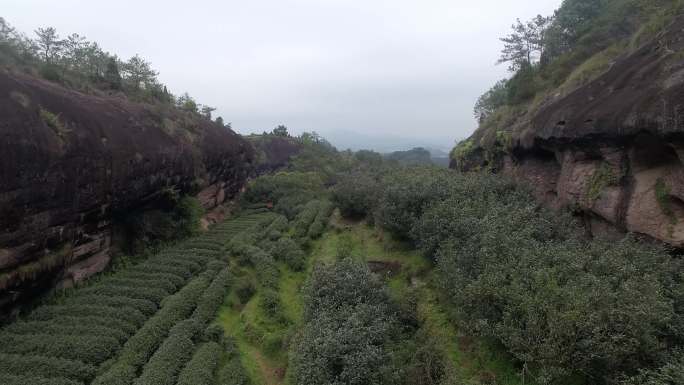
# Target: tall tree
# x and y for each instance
(281, 130)
(74, 50)
(187, 103)
(6, 31)
(206, 111)
(112, 75)
(490, 101)
(525, 45)
(138, 72)
(49, 43)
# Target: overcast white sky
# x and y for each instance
(405, 68)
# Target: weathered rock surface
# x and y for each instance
(69, 161)
(614, 148)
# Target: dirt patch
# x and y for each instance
(391, 268)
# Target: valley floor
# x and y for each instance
(470, 360)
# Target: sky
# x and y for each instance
(364, 73)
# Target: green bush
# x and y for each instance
(71, 329)
(143, 284)
(168, 360)
(153, 295)
(672, 373)
(213, 298)
(48, 367)
(89, 349)
(233, 373)
(525, 277)
(214, 333)
(144, 306)
(288, 251)
(152, 268)
(200, 370)
(406, 194)
(305, 218)
(270, 303)
(356, 195)
(244, 289)
(320, 222)
(118, 374)
(272, 188)
(8, 379)
(111, 323)
(347, 323)
(127, 314)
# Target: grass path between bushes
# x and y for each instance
(261, 340)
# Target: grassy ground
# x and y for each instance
(405, 269)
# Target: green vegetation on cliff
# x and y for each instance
(549, 57)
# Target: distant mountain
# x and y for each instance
(418, 156)
(348, 139)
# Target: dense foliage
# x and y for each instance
(549, 58)
(347, 323)
(77, 63)
(561, 304)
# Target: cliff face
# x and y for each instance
(69, 161)
(612, 149)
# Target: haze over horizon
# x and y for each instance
(401, 69)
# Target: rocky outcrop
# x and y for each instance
(614, 148)
(70, 161)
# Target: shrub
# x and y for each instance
(213, 298)
(200, 370)
(153, 268)
(320, 222)
(8, 379)
(71, 329)
(270, 303)
(68, 321)
(184, 262)
(288, 251)
(128, 314)
(214, 333)
(406, 193)
(305, 218)
(162, 284)
(233, 373)
(356, 195)
(89, 349)
(168, 360)
(272, 188)
(522, 276)
(244, 289)
(153, 295)
(347, 322)
(672, 373)
(47, 367)
(118, 374)
(144, 306)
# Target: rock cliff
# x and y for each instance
(612, 149)
(69, 161)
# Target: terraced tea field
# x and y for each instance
(144, 325)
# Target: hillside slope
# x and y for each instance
(70, 162)
(612, 149)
